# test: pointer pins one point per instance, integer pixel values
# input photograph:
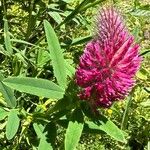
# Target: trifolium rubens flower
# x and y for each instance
(110, 60)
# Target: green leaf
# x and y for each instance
(55, 16)
(39, 87)
(12, 124)
(8, 44)
(39, 130)
(44, 145)
(43, 57)
(7, 93)
(56, 54)
(3, 113)
(74, 130)
(108, 127)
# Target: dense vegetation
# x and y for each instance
(40, 45)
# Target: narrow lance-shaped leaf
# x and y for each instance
(39, 87)
(56, 54)
(42, 58)
(7, 93)
(7, 38)
(56, 16)
(74, 130)
(106, 125)
(12, 124)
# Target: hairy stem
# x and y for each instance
(30, 21)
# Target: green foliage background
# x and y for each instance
(25, 51)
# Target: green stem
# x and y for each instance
(4, 9)
(30, 21)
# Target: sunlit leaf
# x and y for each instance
(55, 16)
(107, 126)
(12, 124)
(39, 87)
(8, 44)
(56, 55)
(44, 145)
(7, 93)
(74, 130)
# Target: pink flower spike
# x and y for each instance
(109, 62)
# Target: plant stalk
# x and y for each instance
(30, 21)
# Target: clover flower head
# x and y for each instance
(110, 60)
